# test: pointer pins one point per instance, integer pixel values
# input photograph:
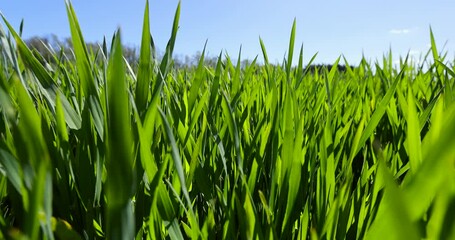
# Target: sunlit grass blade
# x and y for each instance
(120, 182)
(441, 222)
(434, 49)
(88, 87)
(393, 219)
(438, 151)
(60, 119)
(195, 115)
(328, 81)
(413, 133)
(307, 69)
(291, 49)
(144, 69)
(236, 78)
(197, 81)
(80, 50)
(167, 58)
(232, 126)
(264, 52)
(215, 86)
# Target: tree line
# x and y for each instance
(49, 47)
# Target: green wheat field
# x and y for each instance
(94, 147)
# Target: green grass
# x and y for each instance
(93, 148)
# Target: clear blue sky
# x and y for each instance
(330, 27)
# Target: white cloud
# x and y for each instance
(415, 52)
(400, 31)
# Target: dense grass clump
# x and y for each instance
(91, 147)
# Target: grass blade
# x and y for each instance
(413, 136)
(143, 73)
(120, 182)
